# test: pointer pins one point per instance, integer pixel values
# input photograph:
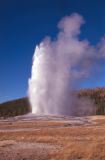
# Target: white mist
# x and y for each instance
(58, 68)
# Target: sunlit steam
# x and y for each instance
(59, 67)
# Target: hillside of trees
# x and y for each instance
(98, 96)
(21, 106)
(15, 108)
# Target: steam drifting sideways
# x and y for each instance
(59, 67)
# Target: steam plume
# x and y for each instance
(59, 66)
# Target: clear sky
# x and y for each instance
(24, 23)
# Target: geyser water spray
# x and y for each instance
(59, 66)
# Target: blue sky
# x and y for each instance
(24, 23)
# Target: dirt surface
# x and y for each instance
(50, 137)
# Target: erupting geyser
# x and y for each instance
(58, 68)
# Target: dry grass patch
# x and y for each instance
(70, 142)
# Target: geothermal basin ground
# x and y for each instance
(32, 137)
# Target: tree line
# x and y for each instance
(22, 106)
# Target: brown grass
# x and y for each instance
(74, 143)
